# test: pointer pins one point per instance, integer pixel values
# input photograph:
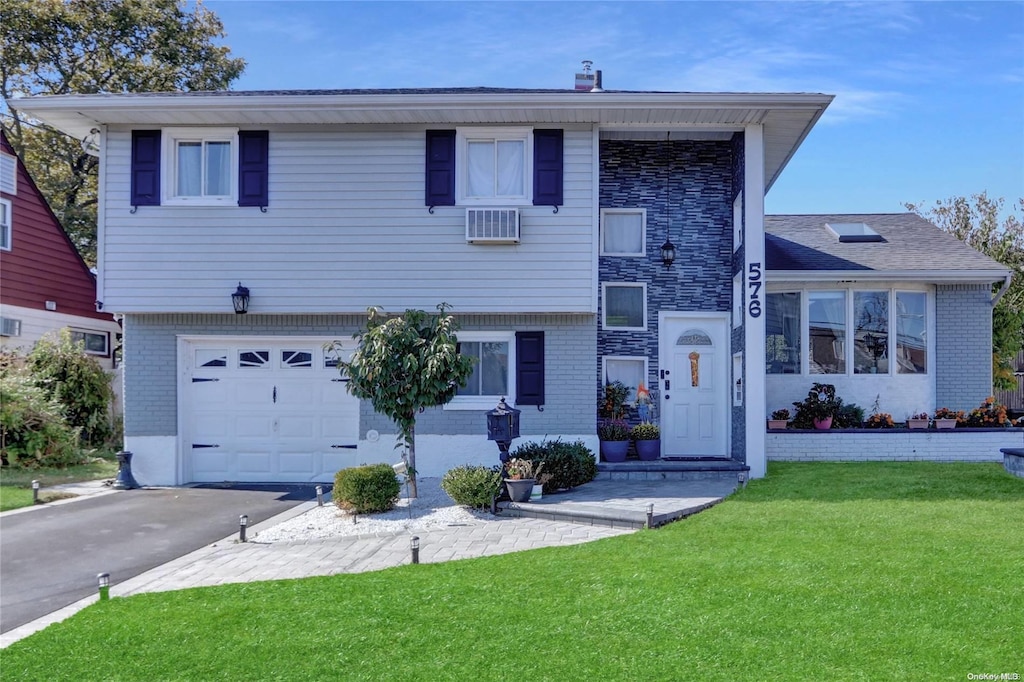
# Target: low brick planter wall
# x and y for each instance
(1013, 461)
(877, 445)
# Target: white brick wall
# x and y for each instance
(959, 445)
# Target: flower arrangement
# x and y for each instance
(645, 431)
(613, 429)
(879, 420)
(782, 415)
(989, 414)
(519, 469)
(945, 413)
(920, 415)
(820, 404)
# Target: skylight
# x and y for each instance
(853, 232)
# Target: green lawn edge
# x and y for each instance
(820, 571)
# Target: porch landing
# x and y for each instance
(622, 502)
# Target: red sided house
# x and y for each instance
(45, 285)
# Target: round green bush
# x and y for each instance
(472, 486)
(366, 489)
(566, 465)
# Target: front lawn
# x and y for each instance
(16, 483)
(821, 571)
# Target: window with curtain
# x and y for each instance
(911, 332)
(496, 169)
(871, 332)
(623, 232)
(826, 320)
(631, 371)
(625, 306)
(782, 333)
(200, 165)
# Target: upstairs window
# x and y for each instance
(8, 174)
(494, 165)
(623, 231)
(201, 166)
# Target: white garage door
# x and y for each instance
(266, 411)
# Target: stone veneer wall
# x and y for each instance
(739, 414)
(687, 189)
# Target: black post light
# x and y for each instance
(243, 523)
(35, 492)
(414, 545)
(240, 299)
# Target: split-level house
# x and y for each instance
(45, 286)
(579, 237)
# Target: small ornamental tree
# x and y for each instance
(404, 365)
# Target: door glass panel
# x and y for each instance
(296, 358)
(693, 337)
(253, 358)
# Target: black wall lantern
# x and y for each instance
(240, 299)
(668, 253)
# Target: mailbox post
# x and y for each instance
(503, 427)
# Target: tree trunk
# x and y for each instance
(413, 494)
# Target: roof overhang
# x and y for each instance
(929, 276)
(787, 118)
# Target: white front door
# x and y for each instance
(694, 385)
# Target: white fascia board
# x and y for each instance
(943, 276)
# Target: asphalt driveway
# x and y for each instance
(50, 556)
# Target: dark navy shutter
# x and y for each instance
(440, 173)
(547, 167)
(145, 185)
(253, 167)
(529, 368)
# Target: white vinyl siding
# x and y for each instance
(346, 229)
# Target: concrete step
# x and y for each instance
(692, 469)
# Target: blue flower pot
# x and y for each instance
(614, 450)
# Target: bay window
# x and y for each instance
(826, 317)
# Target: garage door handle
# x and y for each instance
(341, 380)
(196, 380)
(196, 446)
(349, 447)
(275, 394)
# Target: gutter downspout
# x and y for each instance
(1002, 290)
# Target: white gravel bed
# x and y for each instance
(433, 509)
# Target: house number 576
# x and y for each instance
(754, 284)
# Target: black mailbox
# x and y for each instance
(503, 426)
(503, 423)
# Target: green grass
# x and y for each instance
(16, 484)
(821, 571)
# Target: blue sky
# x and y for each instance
(929, 95)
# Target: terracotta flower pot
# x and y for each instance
(823, 424)
(777, 423)
(945, 423)
(917, 423)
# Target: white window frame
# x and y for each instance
(737, 222)
(169, 170)
(93, 332)
(7, 225)
(488, 402)
(604, 306)
(626, 358)
(642, 212)
(892, 289)
(8, 173)
(463, 136)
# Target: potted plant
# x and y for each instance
(614, 435)
(647, 438)
(879, 420)
(779, 419)
(918, 421)
(819, 408)
(946, 418)
(521, 476)
(989, 415)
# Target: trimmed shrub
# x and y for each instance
(68, 375)
(472, 486)
(366, 489)
(568, 464)
(33, 432)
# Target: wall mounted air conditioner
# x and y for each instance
(10, 327)
(492, 225)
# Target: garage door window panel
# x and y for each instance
(254, 358)
(296, 359)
